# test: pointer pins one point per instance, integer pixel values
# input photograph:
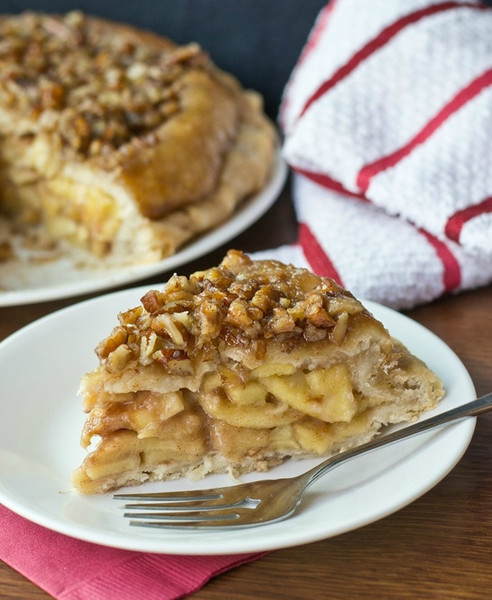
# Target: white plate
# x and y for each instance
(41, 420)
(24, 283)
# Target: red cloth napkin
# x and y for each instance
(71, 569)
(389, 112)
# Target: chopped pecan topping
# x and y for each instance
(237, 315)
(72, 74)
(209, 316)
(340, 329)
(241, 302)
(281, 322)
(152, 301)
(169, 354)
(119, 358)
(118, 336)
(320, 318)
(130, 316)
(266, 298)
(166, 325)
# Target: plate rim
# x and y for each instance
(193, 538)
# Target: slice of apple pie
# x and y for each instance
(235, 369)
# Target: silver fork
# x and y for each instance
(264, 501)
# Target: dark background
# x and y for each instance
(257, 40)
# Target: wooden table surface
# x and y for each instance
(438, 547)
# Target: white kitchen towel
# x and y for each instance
(374, 255)
(391, 100)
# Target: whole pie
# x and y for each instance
(119, 142)
(237, 368)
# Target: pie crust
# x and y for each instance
(119, 142)
(237, 368)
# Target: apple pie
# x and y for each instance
(237, 368)
(119, 142)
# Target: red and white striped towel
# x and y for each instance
(389, 112)
(374, 255)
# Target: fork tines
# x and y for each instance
(183, 509)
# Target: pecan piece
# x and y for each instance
(117, 337)
(153, 301)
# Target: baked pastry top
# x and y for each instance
(235, 369)
(119, 141)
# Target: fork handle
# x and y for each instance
(470, 409)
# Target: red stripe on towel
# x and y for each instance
(451, 276)
(328, 182)
(455, 222)
(313, 40)
(315, 255)
(319, 27)
(460, 99)
(381, 40)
